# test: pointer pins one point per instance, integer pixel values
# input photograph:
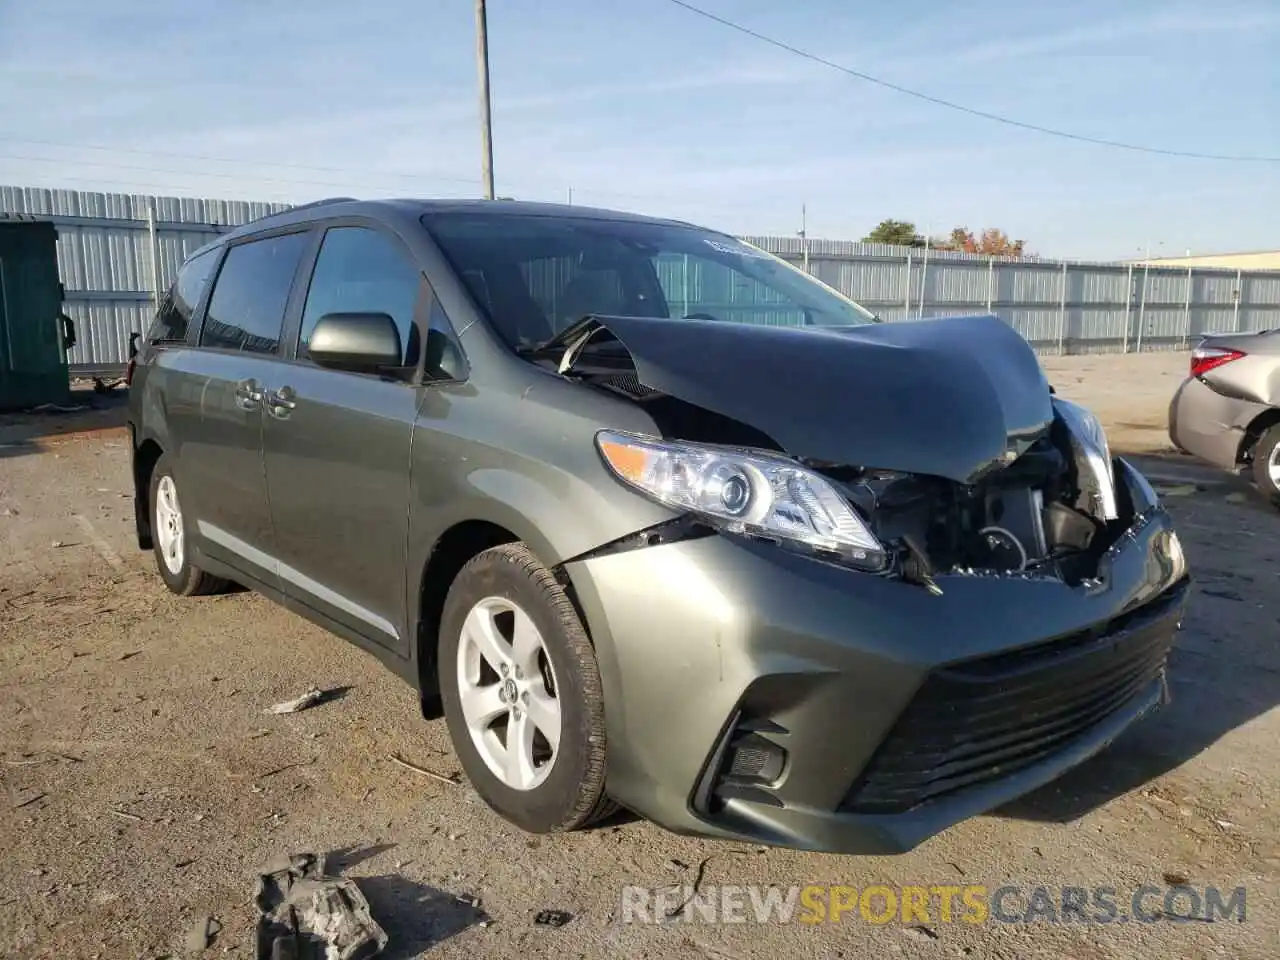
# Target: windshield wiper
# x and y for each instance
(566, 338)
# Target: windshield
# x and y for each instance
(536, 275)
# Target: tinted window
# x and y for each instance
(535, 275)
(360, 270)
(180, 302)
(246, 310)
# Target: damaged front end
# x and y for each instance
(1053, 511)
(909, 451)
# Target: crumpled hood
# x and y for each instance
(947, 397)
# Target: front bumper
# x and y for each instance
(758, 695)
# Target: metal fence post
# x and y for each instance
(1239, 294)
(991, 281)
(1128, 309)
(924, 273)
(1062, 312)
(1186, 312)
(906, 300)
(1142, 307)
(155, 253)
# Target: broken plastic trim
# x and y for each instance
(675, 530)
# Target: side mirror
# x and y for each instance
(360, 342)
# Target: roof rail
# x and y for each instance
(304, 206)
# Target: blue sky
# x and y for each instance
(640, 105)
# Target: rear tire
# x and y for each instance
(1266, 464)
(514, 665)
(170, 537)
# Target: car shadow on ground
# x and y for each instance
(1224, 670)
(24, 432)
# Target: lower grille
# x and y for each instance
(984, 719)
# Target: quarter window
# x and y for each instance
(360, 270)
(180, 302)
(249, 298)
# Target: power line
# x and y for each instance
(357, 176)
(209, 159)
(203, 173)
(972, 111)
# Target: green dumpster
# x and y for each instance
(35, 334)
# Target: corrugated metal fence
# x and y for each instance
(1060, 306)
(116, 251)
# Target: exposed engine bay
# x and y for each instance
(1031, 516)
(1045, 506)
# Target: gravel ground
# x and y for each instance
(141, 782)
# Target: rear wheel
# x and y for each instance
(1266, 464)
(170, 540)
(521, 693)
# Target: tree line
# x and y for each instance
(990, 241)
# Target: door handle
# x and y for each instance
(281, 402)
(248, 394)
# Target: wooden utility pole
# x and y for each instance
(486, 121)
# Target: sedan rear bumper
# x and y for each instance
(755, 694)
(1205, 424)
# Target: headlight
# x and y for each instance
(744, 493)
(1093, 452)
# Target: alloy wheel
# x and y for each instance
(168, 530)
(508, 693)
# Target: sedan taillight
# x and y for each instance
(1204, 359)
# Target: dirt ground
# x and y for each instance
(141, 782)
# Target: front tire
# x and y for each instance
(1266, 464)
(521, 693)
(170, 538)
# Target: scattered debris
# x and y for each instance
(9, 512)
(125, 815)
(1037, 851)
(1174, 879)
(58, 408)
(287, 766)
(183, 864)
(956, 867)
(305, 915)
(129, 655)
(674, 864)
(919, 932)
(59, 544)
(1176, 489)
(552, 918)
(309, 699)
(367, 794)
(1224, 824)
(697, 883)
(29, 763)
(422, 770)
(38, 795)
(201, 935)
(1236, 497)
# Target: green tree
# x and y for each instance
(898, 232)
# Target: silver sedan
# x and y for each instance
(1227, 411)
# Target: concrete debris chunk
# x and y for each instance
(305, 915)
(309, 699)
(202, 933)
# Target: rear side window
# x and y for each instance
(246, 310)
(180, 302)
